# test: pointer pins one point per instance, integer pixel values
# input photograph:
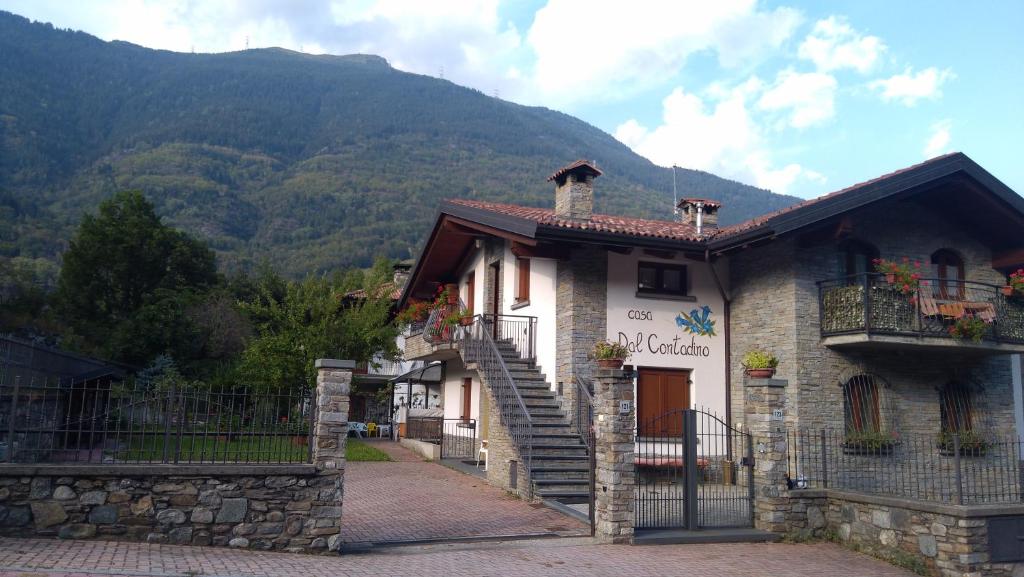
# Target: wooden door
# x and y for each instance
(467, 398)
(495, 298)
(661, 391)
(471, 292)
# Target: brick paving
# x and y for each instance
(410, 499)
(548, 557)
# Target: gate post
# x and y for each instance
(764, 413)
(330, 429)
(615, 466)
(691, 473)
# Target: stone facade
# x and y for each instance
(574, 199)
(775, 307)
(614, 451)
(501, 449)
(286, 507)
(762, 399)
(581, 307)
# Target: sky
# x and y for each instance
(801, 98)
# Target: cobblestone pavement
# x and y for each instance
(411, 499)
(548, 557)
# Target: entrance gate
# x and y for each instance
(693, 471)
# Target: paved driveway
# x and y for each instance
(410, 499)
(547, 557)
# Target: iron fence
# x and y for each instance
(516, 330)
(457, 437)
(959, 468)
(105, 421)
(936, 308)
(583, 412)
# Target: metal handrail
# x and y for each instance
(521, 330)
(436, 330)
(868, 303)
(583, 413)
(477, 346)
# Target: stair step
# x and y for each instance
(534, 393)
(563, 495)
(554, 483)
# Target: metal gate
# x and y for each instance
(693, 471)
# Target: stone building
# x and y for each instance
(928, 351)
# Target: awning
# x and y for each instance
(428, 374)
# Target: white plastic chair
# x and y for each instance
(384, 431)
(358, 428)
(482, 451)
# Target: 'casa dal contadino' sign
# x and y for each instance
(665, 339)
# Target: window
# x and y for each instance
(522, 280)
(856, 259)
(860, 405)
(956, 409)
(948, 269)
(657, 278)
(471, 291)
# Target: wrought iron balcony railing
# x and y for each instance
(965, 310)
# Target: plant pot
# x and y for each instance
(890, 277)
(1007, 291)
(465, 321)
(760, 373)
(609, 363)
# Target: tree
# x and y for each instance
(311, 319)
(127, 281)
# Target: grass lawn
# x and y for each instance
(360, 451)
(240, 449)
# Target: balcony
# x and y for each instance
(867, 311)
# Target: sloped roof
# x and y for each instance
(580, 165)
(598, 223)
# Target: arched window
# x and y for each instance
(855, 258)
(956, 408)
(948, 270)
(860, 405)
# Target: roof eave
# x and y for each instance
(560, 233)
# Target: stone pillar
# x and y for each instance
(614, 448)
(764, 415)
(330, 429)
(581, 316)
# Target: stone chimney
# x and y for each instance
(574, 190)
(700, 213)
(401, 274)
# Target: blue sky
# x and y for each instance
(798, 97)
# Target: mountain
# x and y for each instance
(311, 162)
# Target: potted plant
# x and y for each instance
(610, 355)
(971, 444)
(904, 276)
(465, 317)
(452, 293)
(759, 364)
(1015, 284)
(968, 327)
(869, 443)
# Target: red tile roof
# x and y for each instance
(764, 218)
(359, 294)
(597, 223)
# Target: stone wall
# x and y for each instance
(581, 306)
(501, 449)
(286, 507)
(614, 453)
(775, 307)
(259, 507)
(950, 540)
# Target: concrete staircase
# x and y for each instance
(561, 465)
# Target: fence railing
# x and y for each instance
(457, 437)
(439, 328)
(477, 346)
(869, 303)
(102, 421)
(582, 412)
(950, 468)
(519, 331)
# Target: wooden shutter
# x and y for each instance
(523, 279)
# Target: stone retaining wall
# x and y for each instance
(286, 507)
(951, 540)
(256, 507)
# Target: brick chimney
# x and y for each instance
(574, 190)
(701, 213)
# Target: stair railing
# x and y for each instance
(583, 412)
(519, 330)
(477, 346)
(437, 329)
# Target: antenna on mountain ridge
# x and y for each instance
(675, 199)
(246, 41)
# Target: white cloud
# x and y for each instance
(833, 45)
(908, 88)
(809, 98)
(938, 142)
(609, 50)
(718, 134)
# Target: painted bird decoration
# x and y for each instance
(698, 322)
